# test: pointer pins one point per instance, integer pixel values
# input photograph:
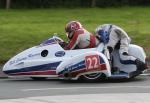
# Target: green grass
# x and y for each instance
(21, 29)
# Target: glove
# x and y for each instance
(63, 44)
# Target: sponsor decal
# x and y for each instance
(73, 67)
(17, 60)
(33, 55)
(59, 53)
(77, 66)
(24, 58)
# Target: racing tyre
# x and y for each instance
(93, 76)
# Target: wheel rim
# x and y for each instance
(92, 76)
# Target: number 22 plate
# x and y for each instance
(92, 62)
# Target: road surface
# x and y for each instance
(23, 89)
(26, 90)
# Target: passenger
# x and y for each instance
(112, 36)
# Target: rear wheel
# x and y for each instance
(94, 76)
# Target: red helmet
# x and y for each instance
(71, 27)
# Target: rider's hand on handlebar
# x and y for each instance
(63, 44)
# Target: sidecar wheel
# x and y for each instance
(93, 76)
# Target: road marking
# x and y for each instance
(67, 88)
(86, 98)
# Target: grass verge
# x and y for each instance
(21, 29)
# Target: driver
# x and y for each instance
(79, 38)
(112, 36)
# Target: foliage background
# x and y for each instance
(73, 3)
(29, 22)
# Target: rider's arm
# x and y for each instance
(73, 42)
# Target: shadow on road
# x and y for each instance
(106, 81)
(28, 80)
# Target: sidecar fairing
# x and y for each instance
(49, 59)
(38, 61)
(44, 59)
(93, 65)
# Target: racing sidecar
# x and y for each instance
(49, 59)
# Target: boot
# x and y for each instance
(140, 65)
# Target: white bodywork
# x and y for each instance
(30, 62)
(135, 51)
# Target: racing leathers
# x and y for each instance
(112, 36)
(82, 39)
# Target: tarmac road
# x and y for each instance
(26, 90)
(25, 87)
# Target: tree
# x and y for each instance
(8, 3)
(93, 3)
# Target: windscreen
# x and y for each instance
(49, 41)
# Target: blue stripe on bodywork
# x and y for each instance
(50, 66)
(127, 61)
(101, 60)
(74, 67)
(121, 75)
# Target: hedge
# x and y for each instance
(73, 3)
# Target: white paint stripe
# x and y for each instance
(86, 98)
(67, 88)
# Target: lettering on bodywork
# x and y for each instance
(24, 58)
